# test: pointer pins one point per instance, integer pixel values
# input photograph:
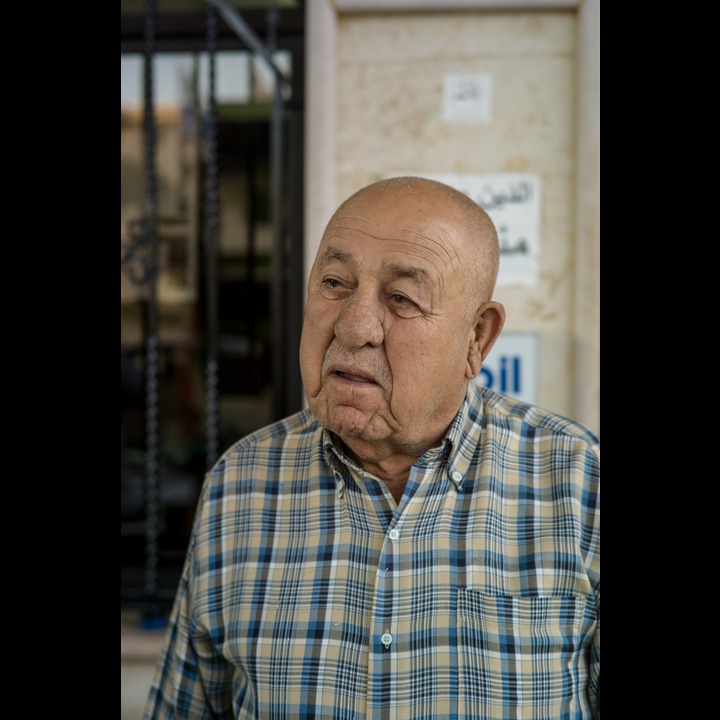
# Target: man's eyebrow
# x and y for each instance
(334, 254)
(419, 275)
(396, 270)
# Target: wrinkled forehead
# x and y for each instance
(396, 226)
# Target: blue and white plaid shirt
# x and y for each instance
(309, 593)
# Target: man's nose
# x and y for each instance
(360, 321)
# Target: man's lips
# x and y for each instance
(353, 375)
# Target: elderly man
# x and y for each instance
(411, 545)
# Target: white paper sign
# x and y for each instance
(467, 98)
(513, 202)
(511, 366)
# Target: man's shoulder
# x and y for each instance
(513, 415)
(294, 430)
(267, 456)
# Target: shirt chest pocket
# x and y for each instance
(520, 657)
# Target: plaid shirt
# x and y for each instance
(307, 593)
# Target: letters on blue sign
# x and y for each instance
(509, 382)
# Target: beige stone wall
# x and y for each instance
(387, 117)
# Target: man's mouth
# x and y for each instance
(352, 375)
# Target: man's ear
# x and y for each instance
(489, 325)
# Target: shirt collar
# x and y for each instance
(454, 467)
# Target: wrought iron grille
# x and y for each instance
(244, 335)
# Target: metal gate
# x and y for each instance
(208, 311)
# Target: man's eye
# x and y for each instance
(333, 288)
(403, 306)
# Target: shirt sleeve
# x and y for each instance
(591, 550)
(594, 683)
(192, 679)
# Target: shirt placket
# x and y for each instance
(388, 659)
(383, 664)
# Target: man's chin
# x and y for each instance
(354, 423)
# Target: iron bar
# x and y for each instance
(211, 289)
(280, 269)
(152, 464)
(246, 34)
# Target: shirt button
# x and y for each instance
(386, 638)
(456, 476)
(394, 534)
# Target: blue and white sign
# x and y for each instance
(511, 366)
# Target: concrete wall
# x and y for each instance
(374, 108)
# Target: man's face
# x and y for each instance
(384, 346)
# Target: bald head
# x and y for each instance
(476, 233)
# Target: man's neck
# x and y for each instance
(392, 468)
